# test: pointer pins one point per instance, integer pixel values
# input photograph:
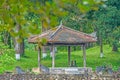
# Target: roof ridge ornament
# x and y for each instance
(60, 24)
(59, 27)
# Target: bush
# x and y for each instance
(5, 61)
(5, 57)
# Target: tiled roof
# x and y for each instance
(63, 35)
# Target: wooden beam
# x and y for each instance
(53, 57)
(64, 44)
(39, 56)
(69, 56)
(84, 55)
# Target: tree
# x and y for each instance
(115, 35)
(13, 21)
(107, 22)
(13, 15)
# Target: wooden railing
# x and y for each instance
(70, 70)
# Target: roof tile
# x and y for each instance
(63, 35)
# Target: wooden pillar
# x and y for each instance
(69, 56)
(84, 55)
(53, 57)
(39, 56)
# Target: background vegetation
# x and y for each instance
(20, 19)
(29, 60)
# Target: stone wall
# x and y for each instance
(55, 77)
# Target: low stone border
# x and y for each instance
(56, 77)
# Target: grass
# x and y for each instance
(93, 60)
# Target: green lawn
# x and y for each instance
(8, 62)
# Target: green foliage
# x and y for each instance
(6, 59)
(115, 3)
(41, 42)
(79, 23)
(107, 23)
(3, 48)
(46, 12)
(78, 12)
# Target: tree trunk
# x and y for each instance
(17, 49)
(74, 48)
(114, 48)
(98, 38)
(19, 45)
(101, 47)
(6, 38)
(22, 47)
(10, 41)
